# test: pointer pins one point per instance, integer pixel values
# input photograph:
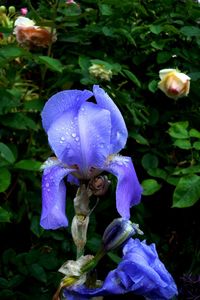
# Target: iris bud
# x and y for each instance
(174, 83)
(118, 232)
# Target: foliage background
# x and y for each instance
(133, 39)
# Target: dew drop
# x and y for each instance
(47, 184)
(62, 138)
(74, 135)
(77, 138)
(101, 145)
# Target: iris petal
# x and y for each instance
(53, 198)
(95, 130)
(61, 102)
(119, 132)
(129, 190)
(64, 139)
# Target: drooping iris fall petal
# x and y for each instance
(53, 198)
(129, 190)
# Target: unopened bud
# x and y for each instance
(2, 9)
(24, 11)
(174, 83)
(100, 71)
(99, 185)
(119, 231)
(11, 9)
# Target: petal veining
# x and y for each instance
(95, 129)
(61, 102)
(64, 138)
(129, 190)
(119, 132)
(54, 198)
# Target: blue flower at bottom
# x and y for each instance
(140, 272)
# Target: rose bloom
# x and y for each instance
(174, 83)
(30, 35)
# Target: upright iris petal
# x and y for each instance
(119, 132)
(85, 136)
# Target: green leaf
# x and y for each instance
(149, 161)
(18, 121)
(153, 86)
(35, 226)
(52, 63)
(10, 52)
(158, 44)
(190, 31)
(4, 283)
(6, 153)
(194, 133)
(38, 272)
(29, 165)
(187, 192)
(4, 215)
(150, 186)
(49, 261)
(179, 130)
(139, 138)
(159, 173)
(183, 144)
(5, 179)
(156, 29)
(189, 170)
(132, 77)
(16, 281)
(196, 145)
(105, 9)
(163, 57)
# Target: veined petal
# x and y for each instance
(54, 198)
(61, 102)
(129, 190)
(95, 129)
(82, 139)
(119, 132)
(64, 138)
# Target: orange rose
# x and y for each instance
(30, 35)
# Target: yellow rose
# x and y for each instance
(174, 83)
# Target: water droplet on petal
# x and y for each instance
(62, 138)
(73, 134)
(47, 184)
(77, 138)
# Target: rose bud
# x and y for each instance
(174, 83)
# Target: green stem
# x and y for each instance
(44, 70)
(92, 264)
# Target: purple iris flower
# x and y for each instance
(85, 137)
(140, 272)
